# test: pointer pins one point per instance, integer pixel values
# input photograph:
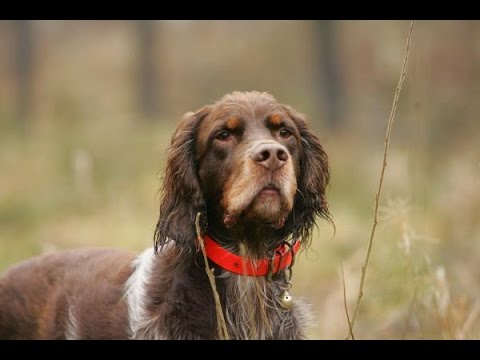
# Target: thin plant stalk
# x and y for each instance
(382, 173)
(221, 325)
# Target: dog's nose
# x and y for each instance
(271, 156)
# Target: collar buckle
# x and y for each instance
(279, 253)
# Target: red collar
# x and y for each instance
(243, 266)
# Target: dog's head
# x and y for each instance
(249, 165)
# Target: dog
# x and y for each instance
(255, 175)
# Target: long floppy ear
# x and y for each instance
(182, 197)
(312, 181)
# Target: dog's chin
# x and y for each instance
(261, 207)
(267, 208)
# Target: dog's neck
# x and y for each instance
(252, 307)
(252, 304)
(250, 239)
(170, 297)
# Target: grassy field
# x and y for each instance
(87, 171)
(83, 188)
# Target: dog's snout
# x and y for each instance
(271, 156)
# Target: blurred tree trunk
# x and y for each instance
(23, 64)
(147, 85)
(328, 78)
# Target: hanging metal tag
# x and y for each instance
(286, 300)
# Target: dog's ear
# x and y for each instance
(181, 196)
(312, 180)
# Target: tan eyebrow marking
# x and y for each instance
(233, 123)
(275, 120)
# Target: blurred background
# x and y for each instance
(87, 109)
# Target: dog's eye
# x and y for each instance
(285, 133)
(223, 136)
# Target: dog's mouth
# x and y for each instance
(269, 205)
(269, 191)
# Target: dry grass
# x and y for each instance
(44, 209)
(351, 324)
(221, 326)
(88, 172)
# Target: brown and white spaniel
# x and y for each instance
(257, 175)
